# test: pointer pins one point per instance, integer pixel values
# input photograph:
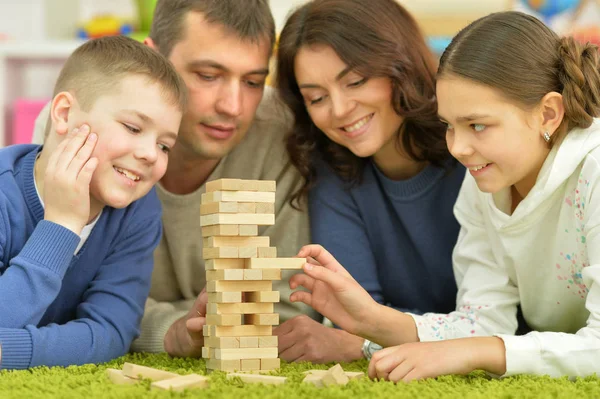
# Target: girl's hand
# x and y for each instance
(419, 360)
(333, 292)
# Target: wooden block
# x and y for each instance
(255, 274)
(221, 264)
(219, 207)
(236, 331)
(265, 207)
(237, 218)
(335, 376)
(315, 379)
(117, 377)
(238, 196)
(246, 207)
(258, 378)
(267, 252)
(352, 375)
(225, 274)
(250, 364)
(224, 185)
(248, 230)
(247, 252)
(240, 308)
(182, 383)
(136, 371)
(220, 253)
(262, 319)
(208, 353)
(222, 342)
(225, 320)
(221, 230)
(268, 342)
(270, 364)
(275, 263)
(249, 342)
(224, 297)
(268, 274)
(246, 353)
(263, 296)
(267, 185)
(223, 365)
(243, 286)
(236, 241)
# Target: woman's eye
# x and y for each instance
(358, 82)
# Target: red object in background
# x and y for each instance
(588, 34)
(25, 111)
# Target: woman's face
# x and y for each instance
(352, 110)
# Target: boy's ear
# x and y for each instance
(60, 109)
(553, 112)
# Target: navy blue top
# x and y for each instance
(395, 237)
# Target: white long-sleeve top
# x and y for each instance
(544, 256)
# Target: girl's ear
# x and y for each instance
(553, 112)
(60, 109)
(150, 43)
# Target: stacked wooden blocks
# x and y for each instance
(240, 269)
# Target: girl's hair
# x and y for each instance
(525, 60)
(376, 38)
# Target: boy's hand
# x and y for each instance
(67, 180)
(185, 337)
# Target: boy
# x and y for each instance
(77, 230)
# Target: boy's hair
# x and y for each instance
(249, 19)
(525, 60)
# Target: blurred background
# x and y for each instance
(36, 36)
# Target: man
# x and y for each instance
(221, 49)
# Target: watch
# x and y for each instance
(368, 348)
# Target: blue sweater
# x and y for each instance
(56, 308)
(394, 237)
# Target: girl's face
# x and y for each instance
(352, 110)
(500, 143)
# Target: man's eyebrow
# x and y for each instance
(339, 76)
(221, 67)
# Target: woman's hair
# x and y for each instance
(525, 60)
(376, 38)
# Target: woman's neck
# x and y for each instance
(395, 163)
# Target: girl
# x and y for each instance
(381, 184)
(519, 104)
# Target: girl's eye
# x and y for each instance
(358, 82)
(164, 148)
(132, 129)
(448, 126)
(478, 127)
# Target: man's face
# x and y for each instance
(225, 77)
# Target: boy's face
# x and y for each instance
(225, 77)
(136, 128)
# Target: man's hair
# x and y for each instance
(98, 67)
(249, 19)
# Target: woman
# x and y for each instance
(359, 79)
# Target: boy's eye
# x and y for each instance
(478, 127)
(131, 128)
(164, 148)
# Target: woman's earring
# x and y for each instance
(547, 137)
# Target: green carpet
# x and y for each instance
(90, 381)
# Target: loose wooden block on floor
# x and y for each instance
(224, 297)
(270, 364)
(181, 383)
(242, 308)
(258, 379)
(117, 377)
(136, 371)
(236, 241)
(335, 376)
(263, 296)
(278, 263)
(224, 319)
(238, 196)
(220, 264)
(236, 331)
(262, 319)
(245, 353)
(352, 375)
(243, 286)
(315, 379)
(221, 230)
(224, 365)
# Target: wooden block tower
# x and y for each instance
(240, 269)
